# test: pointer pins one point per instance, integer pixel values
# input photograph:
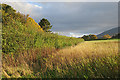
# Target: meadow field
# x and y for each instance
(28, 51)
(89, 59)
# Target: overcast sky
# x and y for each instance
(73, 18)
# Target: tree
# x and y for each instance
(8, 9)
(86, 37)
(116, 36)
(45, 25)
(7, 14)
(107, 36)
(92, 37)
(89, 37)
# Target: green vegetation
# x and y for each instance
(21, 32)
(89, 37)
(99, 60)
(116, 36)
(28, 51)
(45, 25)
(105, 40)
(107, 36)
(19, 37)
(22, 35)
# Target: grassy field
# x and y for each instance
(105, 40)
(90, 59)
(30, 52)
(25, 45)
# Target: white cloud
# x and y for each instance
(26, 8)
(76, 34)
(38, 6)
(21, 7)
(70, 34)
(59, 0)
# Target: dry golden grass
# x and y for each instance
(25, 63)
(95, 59)
(82, 52)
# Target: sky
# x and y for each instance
(73, 19)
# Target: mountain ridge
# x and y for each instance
(111, 32)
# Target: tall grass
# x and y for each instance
(86, 60)
(24, 44)
(29, 52)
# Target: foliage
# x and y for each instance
(99, 60)
(9, 15)
(8, 9)
(89, 37)
(31, 22)
(93, 37)
(28, 52)
(19, 35)
(20, 17)
(0, 16)
(116, 36)
(107, 36)
(45, 25)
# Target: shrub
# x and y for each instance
(107, 36)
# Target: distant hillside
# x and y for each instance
(111, 32)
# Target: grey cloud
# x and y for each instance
(78, 17)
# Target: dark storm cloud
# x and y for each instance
(76, 17)
(89, 17)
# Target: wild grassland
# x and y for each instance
(86, 60)
(25, 45)
(28, 52)
(105, 40)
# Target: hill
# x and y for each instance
(21, 32)
(25, 44)
(111, 32)
(29, 52)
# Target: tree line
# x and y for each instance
(94, 37)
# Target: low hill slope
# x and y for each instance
(111, 32)
(21, 32)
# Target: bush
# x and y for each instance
(89, 37)
(107, 36)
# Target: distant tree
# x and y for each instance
(107, 36)
(86, 37)
(89, 37)
(45, 25)
(116, 36)
(92, 37)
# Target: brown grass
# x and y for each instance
(26, 62)
(82, 52)
(38, 61)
